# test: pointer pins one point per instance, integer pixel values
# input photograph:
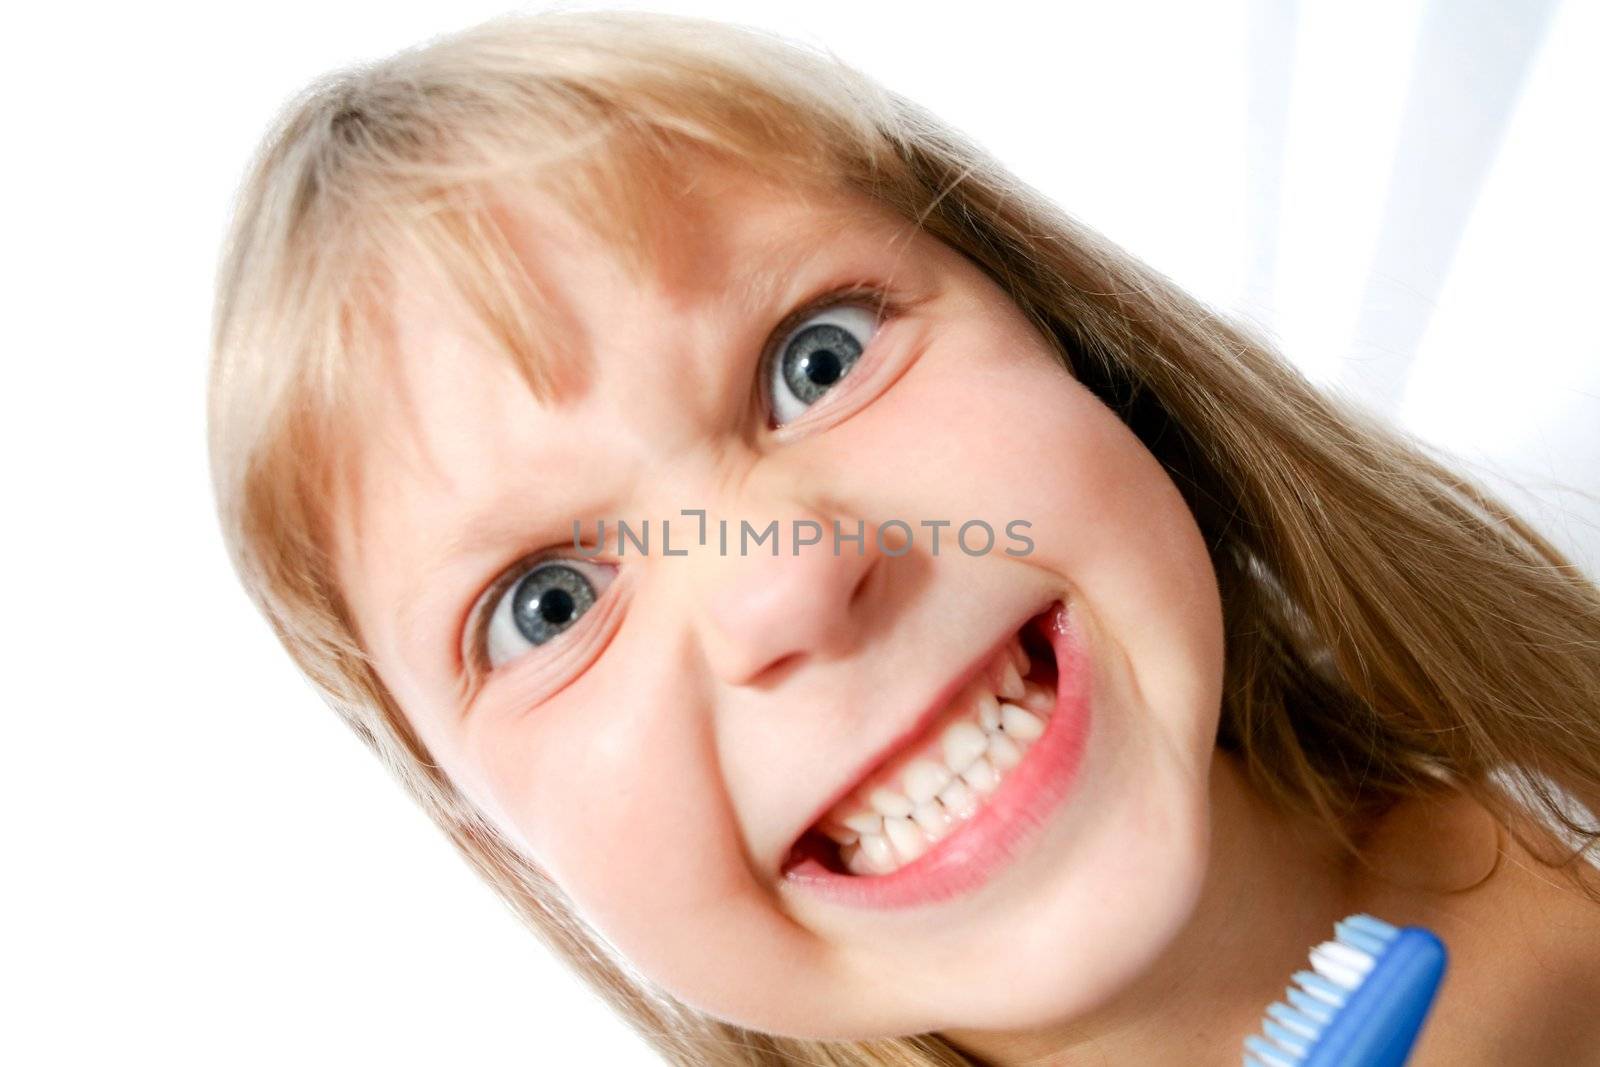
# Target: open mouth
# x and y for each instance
(911, 811)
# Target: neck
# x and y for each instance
(1274, 887)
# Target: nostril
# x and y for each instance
(863, 583)
(777, 670)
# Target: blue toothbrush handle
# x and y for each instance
(1379, 1025)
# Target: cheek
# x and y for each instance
(1112, 521)
(623, 812)
(1010, 435)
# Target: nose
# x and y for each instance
(768, 610)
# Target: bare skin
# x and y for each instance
(1524, 942)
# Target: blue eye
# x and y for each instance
(814, 358)
(541, 605)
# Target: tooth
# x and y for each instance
(907, 840)
(1003, 752)
(982, 777)
(860, 863)
(864, 822)
(988, 712)
(958, 799)
(934, 820)
(1037, 698)
(876, 855)
(841, 833)
(851, 855)
(963, 742)
(886, 801)
(1019, 655)
(923, 780)
(1019, 724)
(1010, 685)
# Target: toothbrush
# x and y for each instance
(1361, 1004)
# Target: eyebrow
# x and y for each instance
(764, 273)
(479, 537)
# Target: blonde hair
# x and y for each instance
(1391, 628)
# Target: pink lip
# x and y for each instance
(984, 844)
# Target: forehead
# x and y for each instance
(712, 233)
(704, 226)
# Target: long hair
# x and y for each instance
(1391, 628)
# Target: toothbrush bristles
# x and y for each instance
(1338, 968)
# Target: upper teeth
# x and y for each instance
(944, 785)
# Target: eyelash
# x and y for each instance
(483, 608)
(887, 306)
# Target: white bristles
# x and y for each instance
(1290, 1031)
(1353, 958)
(1334, 970)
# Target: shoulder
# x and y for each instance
(1444, 842)
(1523, 936)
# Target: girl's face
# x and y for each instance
(714, 750)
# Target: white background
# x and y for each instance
(204, 867)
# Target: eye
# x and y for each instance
(540, 606)
(815, 356)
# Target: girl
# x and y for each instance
(801, 766)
